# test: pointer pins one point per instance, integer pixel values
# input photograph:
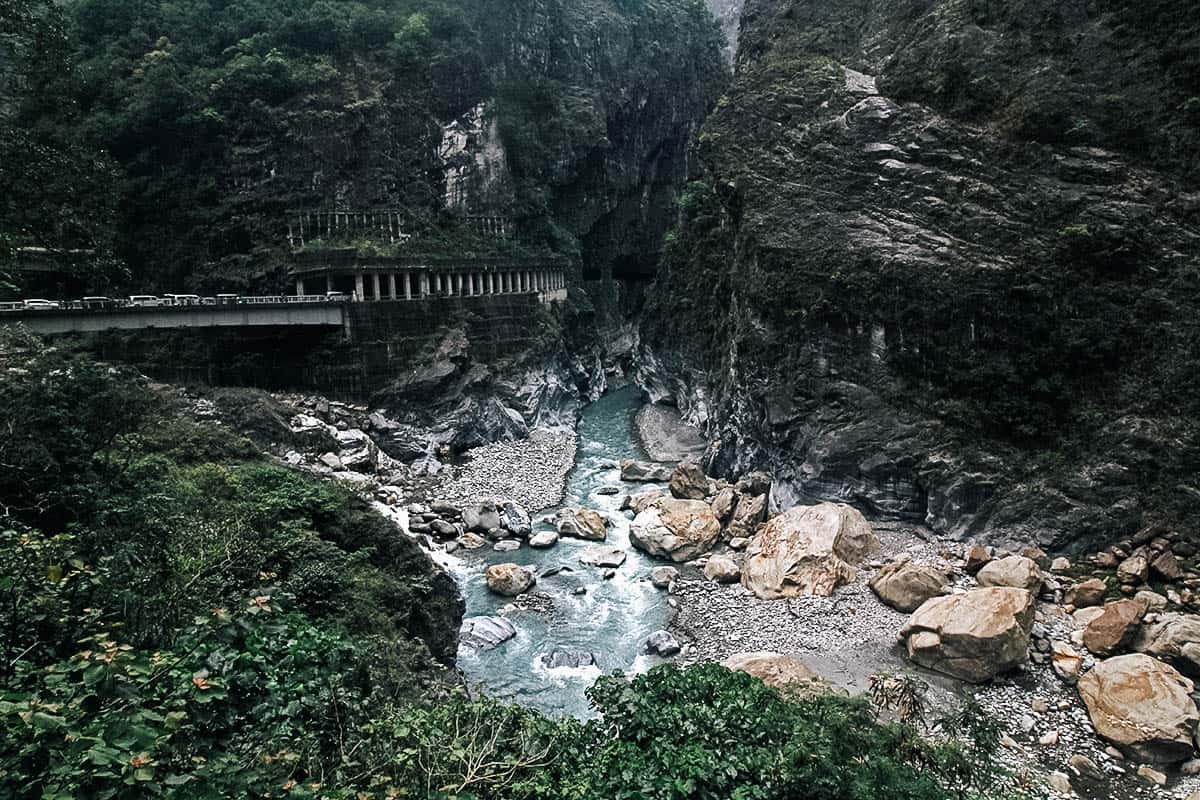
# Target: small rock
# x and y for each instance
(1152, 775)
(662, 643)
(543, 539)
(661, 577)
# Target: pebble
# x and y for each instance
(531, 472)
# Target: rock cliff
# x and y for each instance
(940, 260)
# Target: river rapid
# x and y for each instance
(611, 619)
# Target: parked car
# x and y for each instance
(42, 305)
(227, 299)
(335, 297)
(144, 300)
(183, 299)
(96, 302)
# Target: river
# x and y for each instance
(611, 620)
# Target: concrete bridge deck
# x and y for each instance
(55, 321)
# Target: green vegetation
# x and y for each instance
(183, 618)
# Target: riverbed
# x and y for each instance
(611, 619)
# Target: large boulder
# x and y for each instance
(582, 523)
(508, 579)
(484, 633)
(688, 482)
(807, 550)
(1141, 705)
(973, 636)
(481, 517)
(640, 501)
(747, 515)
(662, 643)
(676, 529)
(1016, 571)
(904, 585)
(567, 659)
(778, 671)
(357, 451)
(722, 504)
(515, 519)
(633, 470)
(1174, 638)
(1114, 627)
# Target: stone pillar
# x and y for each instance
(359, 292)
(408, 292)
(375, 287)
(391, 286)
(457, 283)
(328, 283)
(492, 282)
(299, 287)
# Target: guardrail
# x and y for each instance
(109, 304)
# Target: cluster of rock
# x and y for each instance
(506, 524)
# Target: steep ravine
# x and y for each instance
(939, 260)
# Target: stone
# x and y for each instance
(661, 577)
(1089, 775)
(976, 557)
(1083, 616)
(484, 633)
(753, 484)
(1114, 628)
(807, 550)
(1065, 661)
(1172, 637)
(676, 529)
(634, 470)
(444, 529)
(688, 482)
(515, 519)
(748, 514)
(904, 585)
(739, 543)
(508, 579)
(1090, 592)
(1060, 783)
(1141, 705)
(567, 659)
(1060, 564)
(662, 643)
(471, 541)
(1134, 569)
(722, 504)
(506, 545)
(582, 523)
(778, 671)
(481, 517)
(359, 452)
(543, 539)
(722, 569)
(1152, 775)
(1017, 571)
(640, 501)
(332, 461)
(598, 556)
(975, 635)
(1151, 601)
(1048, 739)
(1166, 566)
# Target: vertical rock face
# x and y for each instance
(927, 244)
(728, 14)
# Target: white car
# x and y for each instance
(41, 305)
(144, 300)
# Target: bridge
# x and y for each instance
(250, 312)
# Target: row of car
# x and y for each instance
(97, 303)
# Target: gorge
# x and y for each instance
(599, 398)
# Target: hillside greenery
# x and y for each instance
(184, 618)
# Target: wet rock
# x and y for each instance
(662, 643)
(1172, 637)
(633, 470)
(973, 636)
(515, 519)
(506, 546)
(471, 541)
(1017, 571)
(543, 539)
(778, 671)
(1141, 705)
(676, 529)
(1114, 627)
(582, 523)
(688, 482)
(1090, 592)
(722, 569)
(484, 633)
(807, 550)
(904, 585)
(661, 577)
(608, 490)
(508, 579)
(567, 659)
(597, 556)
